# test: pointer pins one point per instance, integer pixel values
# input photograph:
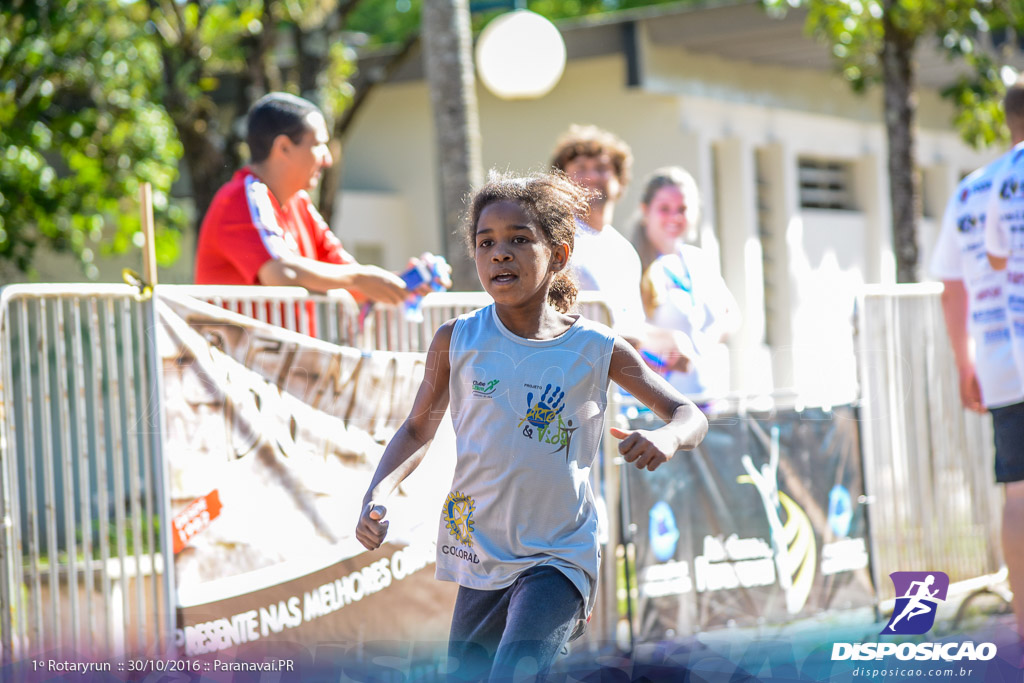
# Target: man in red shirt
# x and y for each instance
(262, 227)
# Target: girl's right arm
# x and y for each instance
(406, 449)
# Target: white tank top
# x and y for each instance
(528, 419)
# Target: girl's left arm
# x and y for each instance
(686, 424)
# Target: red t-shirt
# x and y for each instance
(245, 227)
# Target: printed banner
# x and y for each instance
(763, 523)
(272, 438)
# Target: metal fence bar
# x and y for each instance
(82, 457)
(18, 632)
(49, 486)
(161, 487)
(146, 423)
(35, 595)
(304, 320)
(117, 453)
(275, 315)
(289, 317)
(67, 476)
(129, 352)
(9, 548)
(100, 455)
(329, 321)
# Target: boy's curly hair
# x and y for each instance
(591, 141)
(550, 199)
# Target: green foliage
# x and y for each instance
(568, 9)
(341, 66)
(219, 56)
(386, 21)
(392, 21)
(97, 96)
(978, 101)
(79, 130)
(854, 31)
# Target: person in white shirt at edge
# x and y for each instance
(681, 287)
(984, 305)
(603, 260)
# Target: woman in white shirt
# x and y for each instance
(682, 287)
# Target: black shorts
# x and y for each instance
(1008, 424)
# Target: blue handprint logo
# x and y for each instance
(546, 409)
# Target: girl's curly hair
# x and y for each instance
(550, 199)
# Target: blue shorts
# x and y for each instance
(1008, 424)
(531, 619)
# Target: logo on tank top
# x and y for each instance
(485, 388)
(458, 516)
(1011, 189)
(543, 421)
(968, 223)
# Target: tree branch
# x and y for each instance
(331, 183)
(364, 87)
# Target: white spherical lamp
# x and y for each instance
(520, 55)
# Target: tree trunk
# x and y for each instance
(207, 166)
(210, 155)
(900, 112)
(311, 57)
(448, 62)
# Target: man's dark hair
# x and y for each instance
(276, 113)
(1013, 106)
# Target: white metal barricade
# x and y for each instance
(337, 318)
(82, 562)
(928, 463)
(332, 317)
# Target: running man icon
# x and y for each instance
(920, 593)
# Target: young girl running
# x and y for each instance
(527, 383)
